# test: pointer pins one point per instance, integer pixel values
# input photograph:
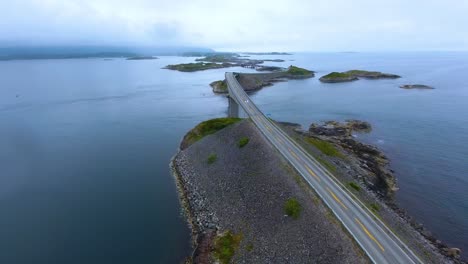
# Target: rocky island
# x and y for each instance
(219, 60)
(416, 86)
(353, 75)
(246, 204)
(142, 58)
(255, 81)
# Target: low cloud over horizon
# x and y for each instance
(294, 25)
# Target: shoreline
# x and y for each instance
(388, 207)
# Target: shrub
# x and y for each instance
(212, 158)
(243, 141)
(225, 246)
(355, 186)
(292, 208)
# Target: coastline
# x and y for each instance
(396, 218)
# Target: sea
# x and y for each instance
(85, 146)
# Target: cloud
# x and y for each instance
(239, 25)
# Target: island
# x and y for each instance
(416, 86)
(267, 53)
(255, 81)
(199, 66)
(240, 197)
(220, 60)
(353, 75)
(142, 58)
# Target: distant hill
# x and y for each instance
(69, 52)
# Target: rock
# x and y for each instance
(219, 86)
(453, 252)
(416, 86)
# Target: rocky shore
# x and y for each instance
(364, 170)
(239, 199)
(242, 192)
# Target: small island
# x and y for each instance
(416, 86)
(353, 75)
(255, 81)
(142, 58)
(335, 77)
(199, 66)
(220, 60)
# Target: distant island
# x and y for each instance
(142, 58)
(267, 53)
(353, 75)
(416, 86)
(219, 60)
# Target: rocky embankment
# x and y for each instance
(255, 81)
(237, 192)
(364, 170)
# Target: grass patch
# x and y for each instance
(208, 127)
(243, 141)
(325, 147)
(354, 186)
(374, 207)
(225, 246)
(337, 75)
(249, 247)
(292, 208)
(293, 70)
(361, 72)
(212, 158)
(326, 164)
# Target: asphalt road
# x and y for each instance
(380, 244)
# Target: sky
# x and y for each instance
(241, 25)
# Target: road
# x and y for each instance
(380, 244)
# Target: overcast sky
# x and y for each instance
(255, 25)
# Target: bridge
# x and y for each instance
(374, 237)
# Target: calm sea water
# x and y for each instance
(85, 147)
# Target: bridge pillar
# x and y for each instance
(233, 109)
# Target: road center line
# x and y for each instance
(336, 199)
(312, 173)
(369, 234)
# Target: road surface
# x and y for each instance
(380, 244)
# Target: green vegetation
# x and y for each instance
(208, 127)
(249, 247)
(325, 147)
(326, 164)
(293, 70)
(212, 158)
(227, 57)
(337, 75)
(292, 208)
(374, 207)
(219, 86)
(225, 246)
(361, 72)
(243, 141)
(354, 186)
(200, 66)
